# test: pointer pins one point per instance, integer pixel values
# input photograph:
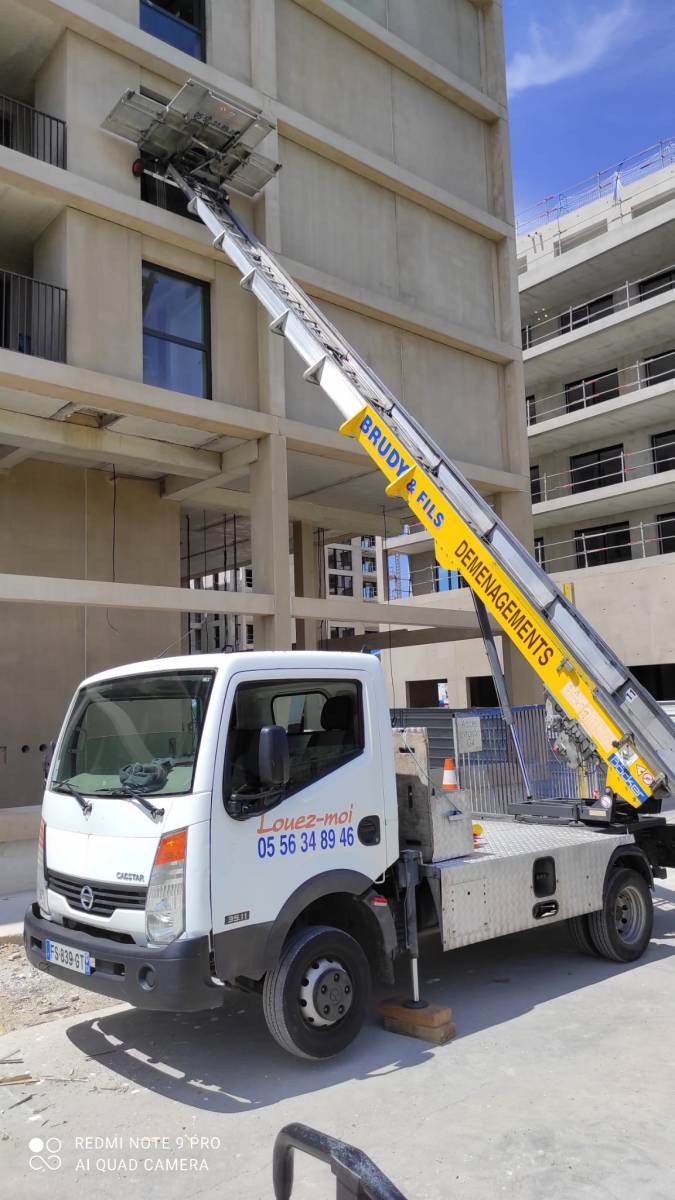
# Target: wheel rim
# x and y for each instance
(326, 992)
(630, 915)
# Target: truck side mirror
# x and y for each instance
(273, 761)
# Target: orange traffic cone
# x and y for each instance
(450, 783)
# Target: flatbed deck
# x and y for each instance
(520, 876)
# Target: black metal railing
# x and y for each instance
(356, 1175)
(32, 132)
(32, 316)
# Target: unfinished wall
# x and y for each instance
(58, 521)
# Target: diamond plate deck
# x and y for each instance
(491, 892)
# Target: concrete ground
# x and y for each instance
(12, 909)
(560, 1084)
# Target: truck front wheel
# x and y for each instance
(315, 999)
(622, 928)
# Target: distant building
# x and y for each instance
(597, 291)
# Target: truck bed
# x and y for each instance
(491, 892)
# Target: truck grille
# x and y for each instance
(107, 896)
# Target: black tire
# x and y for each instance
(623, 927)
(318, 964)
(580, 934)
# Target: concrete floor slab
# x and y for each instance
(560, 1084)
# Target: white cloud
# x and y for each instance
(553, 54)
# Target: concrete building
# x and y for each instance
(597, 290)
(155, 438)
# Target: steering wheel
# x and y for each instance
(144, 777)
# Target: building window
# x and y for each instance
(249, 634)
(661, 367)
(482, 691)
(248, 577)
(369, 591)
(368, 565)
(531, 409)
(535, 485)
(656, 284)
(339, 560)
(341, 631)
(176, 332)
(340, 585)
(164, 194)
(602, 545)
(663, 451)
(539, 552)
(665, 524)
(657, 678)
(368, 541)
(178, 22)
(596, 468)
(584, 392)
(585, 314)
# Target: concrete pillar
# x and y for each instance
(269, 542)
(306, 581)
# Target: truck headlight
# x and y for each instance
(42, 893)
(165, 901)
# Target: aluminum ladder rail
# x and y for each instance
(628, 728)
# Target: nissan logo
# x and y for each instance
(87, 898)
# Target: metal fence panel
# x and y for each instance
(491, 773)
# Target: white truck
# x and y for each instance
(234, 819)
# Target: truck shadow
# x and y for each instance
(226, 1062)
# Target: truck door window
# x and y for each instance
(323, 720)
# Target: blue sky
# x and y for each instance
(590, 82)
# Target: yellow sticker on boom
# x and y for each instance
(459, 549)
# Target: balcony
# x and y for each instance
(600, 388)
(423, 581)
(615, 483)
(32, 132)
(576, 316)
(616, 542)
(32, 317)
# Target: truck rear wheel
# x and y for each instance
(623, 927)
(315, 999)
(581, 935)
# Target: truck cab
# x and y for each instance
(201, 811)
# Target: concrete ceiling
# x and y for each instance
(26, 39)
(633, 258)
(337, 484)
(24, 217)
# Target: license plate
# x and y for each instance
(65, 956)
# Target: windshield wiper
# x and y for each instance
(127, 793)
(67, 787)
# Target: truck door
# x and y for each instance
(330, 816)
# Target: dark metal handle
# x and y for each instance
(356, 1174)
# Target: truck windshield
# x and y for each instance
(138, 732)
